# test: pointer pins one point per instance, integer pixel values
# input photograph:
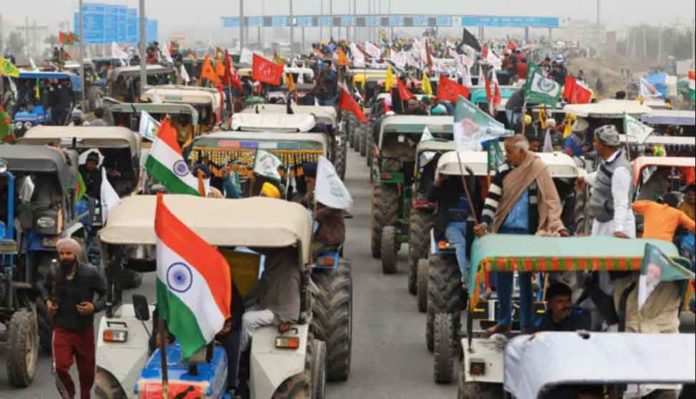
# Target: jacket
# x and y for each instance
(447, 197)
(332, 228)
(86, 286)
(579, 319)
(601, 199)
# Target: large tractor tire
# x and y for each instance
(385, 208)
(45, 327)
(295, 387)
(444, 292)
(369, 148)
(22, 348)
(389, 248)
(332, 320)
(443, 348)
(341, 155)
(422, 295)
(420, 224)
(106, 386)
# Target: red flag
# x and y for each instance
(231, 78)
(575, 92)
(61, 37)
(404, 93)
(346, 102)
(511, 46)
(493, 96)
(449, 90)
(428, 56)
(265, 71)
(484, 53)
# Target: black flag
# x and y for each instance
(469, 39)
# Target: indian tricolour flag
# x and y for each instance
(166, 164)
(194, 284)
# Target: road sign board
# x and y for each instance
(279, 21)
(511, 22)
(305, 21)
(132, 26)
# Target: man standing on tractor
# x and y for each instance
(522, 199)
(75, 291)
(610, 206)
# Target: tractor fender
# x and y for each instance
(271, 366)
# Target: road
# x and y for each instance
(390, 360)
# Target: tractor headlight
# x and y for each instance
(28, 125)
(18, 125)
(46, 222)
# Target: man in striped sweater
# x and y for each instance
(522, 199)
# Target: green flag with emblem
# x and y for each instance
(541, 90)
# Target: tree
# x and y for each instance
(15, 44)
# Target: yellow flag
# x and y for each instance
(425, 85)
(8, 69)
(389, 80)
(568, 129)
(542, 118)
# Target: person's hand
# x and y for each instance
(480, 230)
(580, 184)
(438, 182)
(227, 327)
(620, 234)
(85, 308)
(283, 328)
(52, 307)
(564, 233)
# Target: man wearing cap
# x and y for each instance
(610, 206)
(75, 292)
(573, 144)
(610, 187)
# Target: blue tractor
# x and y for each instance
(37, 193)
(34, 104)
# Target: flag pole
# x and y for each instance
(163, 357)
(466, 189)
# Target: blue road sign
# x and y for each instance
(324, 20)
(305, 21)
(279, 21)
(111, 24)
(347, 20)
(132, 26)
(444, 20)
(230, 22)
(420, 21)
(372, 20)
(151, 30)
(396, 20)
(511, 22)
(254, 22)
(122, 27)
(93, 20)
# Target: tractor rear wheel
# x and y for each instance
(444, 291)
(443, 348)
(423, 266)
(389, 250)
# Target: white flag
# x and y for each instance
(648, 90)
(267, 164)
(148, 126)
(109, 197)
(330, 190)
(358, 56)
(117, 52)
(426, 156)
(373, 50)
(33, 64)
(166, 54)
(184, 75)
(636, 129)
(246, 56)
(427, 135)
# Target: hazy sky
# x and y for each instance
(205, 14)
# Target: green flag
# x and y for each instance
(81, 188)
(541, 90)
(473, 126)
(656, 268)
(8, 69)
(495, 156)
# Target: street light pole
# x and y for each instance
(141, 46)
(292, 29)
(81, 57)
(241, 25)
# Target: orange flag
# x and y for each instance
(207, 71)
(342, 58)
(219, 66)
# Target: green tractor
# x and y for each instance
(392, 176)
